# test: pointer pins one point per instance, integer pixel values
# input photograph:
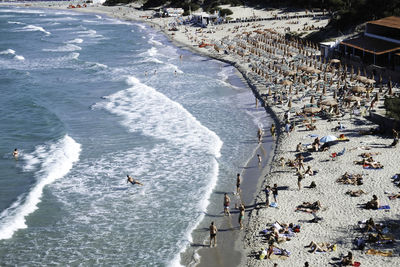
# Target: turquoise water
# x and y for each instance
(89, 99)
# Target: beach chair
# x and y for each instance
(333, 156)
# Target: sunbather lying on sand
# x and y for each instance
(370, 225)
(369, 154)
(355, 193)
(353, 179)
(309, 207)
(321, 247)
(394, 196)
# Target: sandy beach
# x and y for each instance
(260, 53)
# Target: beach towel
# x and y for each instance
(368, 167)
(379, 252)
(384, 207)
(356, 263)
(283, 252)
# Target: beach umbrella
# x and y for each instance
(286, 82)
(327, 138)
(358, 89)
(312, 109)
(329, 102)
(353, 98)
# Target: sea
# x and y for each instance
(87, 100)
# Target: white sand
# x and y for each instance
(340, 212)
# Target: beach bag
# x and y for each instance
(313, 185)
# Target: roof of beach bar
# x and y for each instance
(371, 45)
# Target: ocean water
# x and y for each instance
(88, 99)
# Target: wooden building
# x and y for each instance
(378, 45)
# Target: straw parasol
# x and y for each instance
(286, 82)
(358, 89)
(353, 98)
(312, 110)
(329, 102)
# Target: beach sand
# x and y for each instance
(340, 212)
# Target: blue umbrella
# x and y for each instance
(328, 138)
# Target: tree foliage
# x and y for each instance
(347, 13)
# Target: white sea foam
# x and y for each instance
(56, 160)
(151, 59)
(150, 52)
(98, 16)
(154, 42)
(174, 67)
(15, 22)
(64, 48)
(90, 34)
(143, 109)
(31, 28)
(75, 41)
(74, 55)
(18, 57)
(8, 51)
(177, 126)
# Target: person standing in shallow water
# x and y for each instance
(241, 215)
(272, 130)
(227, 202)
(213, 234)
(238, 181)
(15, 154)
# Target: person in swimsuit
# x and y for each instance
(267, 191)
(241, 215)
(227, 201)
(15, 154)
(213, 234)
(238, 181)
(275, 191)
(133, 181)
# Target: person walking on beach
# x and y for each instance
(274, 191)
(241, 215)
(133, 181)
(213, 234)
(15, 154)
(300, 177)
(259, 159)
(227, 202)
(238, 181)
(267, 191)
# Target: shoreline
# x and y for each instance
(340, 212)
(250, 187)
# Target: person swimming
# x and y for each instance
(133, 181)
(15, 154)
